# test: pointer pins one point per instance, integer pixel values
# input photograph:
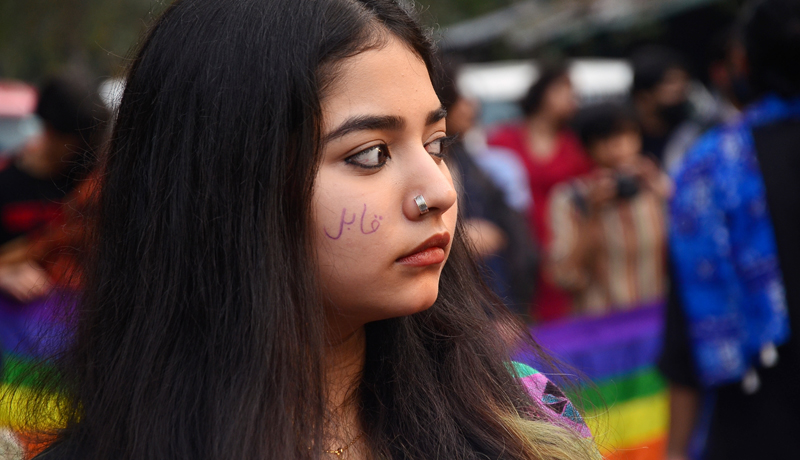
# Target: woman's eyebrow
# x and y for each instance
(379, 122)
(436, 115)
(366, 123)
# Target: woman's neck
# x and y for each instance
(344, 366)
(542, 136)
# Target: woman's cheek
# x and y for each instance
(354, 251)
(353, 239)
(351, 220)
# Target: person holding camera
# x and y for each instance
(608, 226)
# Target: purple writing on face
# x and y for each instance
(373, 226)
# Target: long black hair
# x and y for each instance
(200, 332)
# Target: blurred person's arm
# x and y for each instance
(21, 275)
(30, 265)
(486, 237)
(24, 281)
(684, 406)
(677, 366)
(15, 251)
(653, 178)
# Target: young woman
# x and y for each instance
(551, 155)
(278, 270)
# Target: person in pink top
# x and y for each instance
(551, 154)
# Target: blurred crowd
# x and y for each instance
(587, 183)
(665, 197)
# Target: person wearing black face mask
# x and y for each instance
(670, 122)
(659, 96)
(727, 74)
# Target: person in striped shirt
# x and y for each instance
(608, 226)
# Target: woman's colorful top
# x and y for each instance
(544, 391)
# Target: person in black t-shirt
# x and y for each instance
(35, 180)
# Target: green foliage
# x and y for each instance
(447, 12)
(39, 37)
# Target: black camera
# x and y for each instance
(627, 186)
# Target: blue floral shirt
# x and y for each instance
(724, 251)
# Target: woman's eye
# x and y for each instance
(370, 158)
(438, 148)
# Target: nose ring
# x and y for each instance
(421, 204)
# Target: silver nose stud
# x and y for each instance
(421, 204)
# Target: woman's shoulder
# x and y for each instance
(549, 395)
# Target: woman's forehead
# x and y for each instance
(390, 80)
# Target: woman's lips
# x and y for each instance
(430, 252)
(430, 256)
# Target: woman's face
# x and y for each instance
(559, 100)
(618, 151)
(383, 126)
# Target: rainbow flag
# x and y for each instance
(627, 405)
(27, 333)
(626, 408)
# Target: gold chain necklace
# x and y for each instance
(338, 452)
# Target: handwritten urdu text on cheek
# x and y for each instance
(371, 228)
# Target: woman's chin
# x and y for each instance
(407, 306)
(422, 300)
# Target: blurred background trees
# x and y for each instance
(447, 12)
(37, 37)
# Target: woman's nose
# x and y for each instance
(431, 191)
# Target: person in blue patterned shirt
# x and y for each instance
(736, 263)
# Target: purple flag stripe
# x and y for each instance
(30, 329)
(604, 347)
